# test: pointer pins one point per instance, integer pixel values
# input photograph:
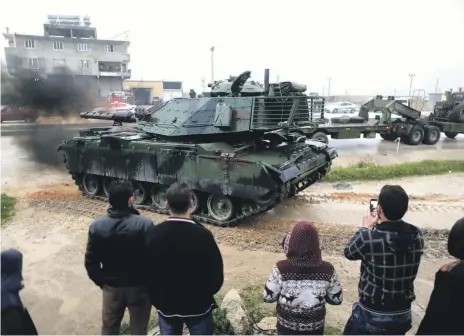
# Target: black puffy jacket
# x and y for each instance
(116, 251)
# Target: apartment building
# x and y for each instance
(69, 42)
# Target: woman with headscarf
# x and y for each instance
(15, 318)
(444, 314)
(302, 284)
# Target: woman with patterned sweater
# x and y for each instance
(302, 284)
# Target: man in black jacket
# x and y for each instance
(186, 268)
(115, 261)
(390, 251)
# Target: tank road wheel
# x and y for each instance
(106, 185)
(196, 202)
(140, 193)
(451, 135)
(158, 197)
(91, 184)
(431, 135)
(220, 207)
(321, 137)
(414, 137)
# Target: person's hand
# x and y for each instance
(369, 221)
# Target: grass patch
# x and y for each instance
(252, 297)
(364, 171)
(8, 204)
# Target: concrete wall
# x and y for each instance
(69, 56)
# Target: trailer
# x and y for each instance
(410, 126)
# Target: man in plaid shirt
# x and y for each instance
(390, 251)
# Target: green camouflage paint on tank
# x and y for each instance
(241, 155)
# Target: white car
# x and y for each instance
(115, 107)
(340, 107)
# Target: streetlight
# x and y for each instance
(212, 64)
(411, 75)
(328, 90)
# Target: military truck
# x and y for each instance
(408, 125)
(240, 150)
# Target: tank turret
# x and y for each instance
(241, 150)
(237, 86)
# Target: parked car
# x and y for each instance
(114, 107)
(16, 113)
(340, 107)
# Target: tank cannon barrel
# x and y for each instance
(119, 116)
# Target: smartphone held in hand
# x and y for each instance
(373, 207)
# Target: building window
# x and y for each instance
(85, 64)
(29, 44)
(31, 63)
(109, 48)
(57, 45)
(82, 47)
(59, 62)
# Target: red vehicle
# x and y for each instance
(13, 113)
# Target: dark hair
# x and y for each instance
(456, 240)
(394, 202)
(178, 197)
(119, 193)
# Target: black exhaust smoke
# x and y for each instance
(63, 95)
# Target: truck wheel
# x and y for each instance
(320, 136)
(431, 135)
(414, 137)
(451, 135)
(29, 119)
(389, 136)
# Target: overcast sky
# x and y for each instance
(365, 46)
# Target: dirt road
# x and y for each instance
(50, 228)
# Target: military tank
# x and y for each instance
(240, 150)
(451, 108)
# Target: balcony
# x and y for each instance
(126, 74)
(113, 69)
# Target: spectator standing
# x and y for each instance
(302, 284)
(444, 311)
(390, 254)
(115, 261)
(186, 268)
(15, 317)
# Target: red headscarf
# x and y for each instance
(301, 245)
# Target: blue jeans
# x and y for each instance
(366, 322)
(198, 325)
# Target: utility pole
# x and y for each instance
(328, 90)
(212, 64)
(277, 78)
(394, 93)
(203, 84)
(436, 87)
(411, 75)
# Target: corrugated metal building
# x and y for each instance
(145, 91)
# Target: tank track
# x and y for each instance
(197, 217)
(204, 218)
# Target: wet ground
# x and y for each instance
(52, 218)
